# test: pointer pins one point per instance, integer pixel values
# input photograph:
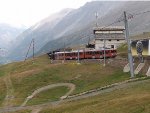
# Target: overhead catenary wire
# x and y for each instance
(136, 14)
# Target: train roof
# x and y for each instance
(75, 51)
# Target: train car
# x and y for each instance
(84, 54)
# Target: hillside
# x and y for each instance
(27, 76)
(43, 81)
(133, 99)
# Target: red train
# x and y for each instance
(83, 54)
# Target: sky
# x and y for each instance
(29, 12)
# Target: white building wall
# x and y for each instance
(99, 44)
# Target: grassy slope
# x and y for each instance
(49, 95)
(28, 76)
(21, 111)
(2, 91)
(134, 99)
(85, 76)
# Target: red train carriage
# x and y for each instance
(85, 54)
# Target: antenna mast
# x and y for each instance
(96, 15)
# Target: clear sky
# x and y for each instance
(28, 12)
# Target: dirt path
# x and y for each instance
(36, 110)
(10, 92)
(42, 106)
(70, 85)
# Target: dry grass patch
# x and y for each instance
(134, 99)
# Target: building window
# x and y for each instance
(118, 40)
(109, 40)
(112, 46)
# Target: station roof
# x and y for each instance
(110, 28)
(144, 36)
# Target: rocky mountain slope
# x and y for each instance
(69, 26)
(8, 34)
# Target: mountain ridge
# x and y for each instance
(77, 23)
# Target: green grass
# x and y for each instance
(122, 51)
(2, 91)
(85, 76)
(22, 111)
(28, 76)
(133, 99)
(48, 96)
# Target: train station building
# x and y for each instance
(113, 36)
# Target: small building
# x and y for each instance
(113, 36)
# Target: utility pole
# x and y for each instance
(33, 49)
(96, 15)
(64, 53)
(78, 56)
(104, 52)
(28, 50)
(129, 45)
(31, 44)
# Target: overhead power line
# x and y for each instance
(135, 14)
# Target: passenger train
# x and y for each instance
(82, 54)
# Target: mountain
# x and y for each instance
(8, 34)
(108, 12)
(42, 32)
(70, 25)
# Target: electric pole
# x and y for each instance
(104, 52)
(64, 53)
(28, 50)
(78, 57)
(31, 44)
(96, 15)
(33, 49)
(129, 45)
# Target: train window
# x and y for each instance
(93, 52)
(96, 52)
(68, 54)
(88, 53)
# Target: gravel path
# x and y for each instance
(70, 85)
(36, 110)
(10, 91)
(110, 89)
